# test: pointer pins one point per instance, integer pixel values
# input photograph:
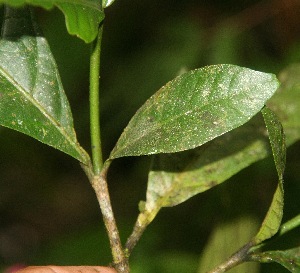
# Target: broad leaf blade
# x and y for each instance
(82, 16)
(179, 176)
(195, 108)
(32, 99)
(290, 258)
(176, 177)
(272, 221)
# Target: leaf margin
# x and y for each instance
(90, 18)
(145, 116)
(277, 141)
(18, 88)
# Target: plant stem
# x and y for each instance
(95, 102)
(285, 228)
(144, 219)
(98, 176)
(100, 187)
(289, 225)
(135, 236)
(239, 257)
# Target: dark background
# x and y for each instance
(48, 211)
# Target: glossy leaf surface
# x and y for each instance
(82, 16)
(290, 258)
(195, 108)
(272, 221)
(32, 99)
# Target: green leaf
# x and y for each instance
(290, 258)
(195, 108)
(272, 221)
(277, 140)
(32, 99)
(286, 102)
(176, 177)
(82, 16)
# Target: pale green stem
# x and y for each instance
(98, 176)
(95, 103)
(289, 225)
(285, 228)
(246, 252)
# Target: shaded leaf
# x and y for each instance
(286, 102)
(290, 258)
(272, 221)
(178, 176)
(82, 16)
(32, 99)
(277, 140)
(195, 108)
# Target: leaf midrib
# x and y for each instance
(41, 109)
(176, 183)
(89, 4)
(165, 121)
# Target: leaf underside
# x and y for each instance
(176, 177)
(272, 221)
(289, 258)
(82, 16)
(32, 99)
(195, 108)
